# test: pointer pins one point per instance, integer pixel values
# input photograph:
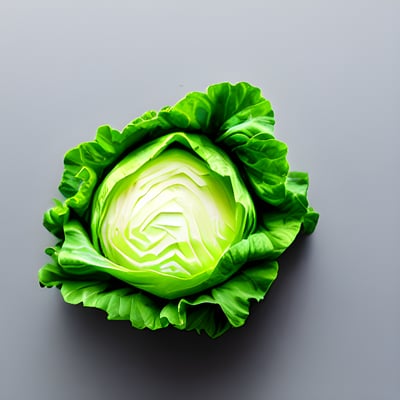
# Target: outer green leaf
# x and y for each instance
(227, 305)
(192, 113)
(266, 166)
(55, 218)
(230, 100)
(234, 295)
(120, 304)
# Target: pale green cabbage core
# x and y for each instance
(167, 212)
(173, 215)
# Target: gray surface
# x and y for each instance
(330, 326)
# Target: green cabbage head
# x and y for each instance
(179, 218)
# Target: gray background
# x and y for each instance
(330, 326)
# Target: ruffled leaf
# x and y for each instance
(55, 218)
(227, 306)
(266, 167)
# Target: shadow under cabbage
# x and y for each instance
(169, 353)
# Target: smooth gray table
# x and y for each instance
(330, 326)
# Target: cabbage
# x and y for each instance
(178, 219)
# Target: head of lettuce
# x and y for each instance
(178, 219)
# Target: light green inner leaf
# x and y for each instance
(163, 209)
